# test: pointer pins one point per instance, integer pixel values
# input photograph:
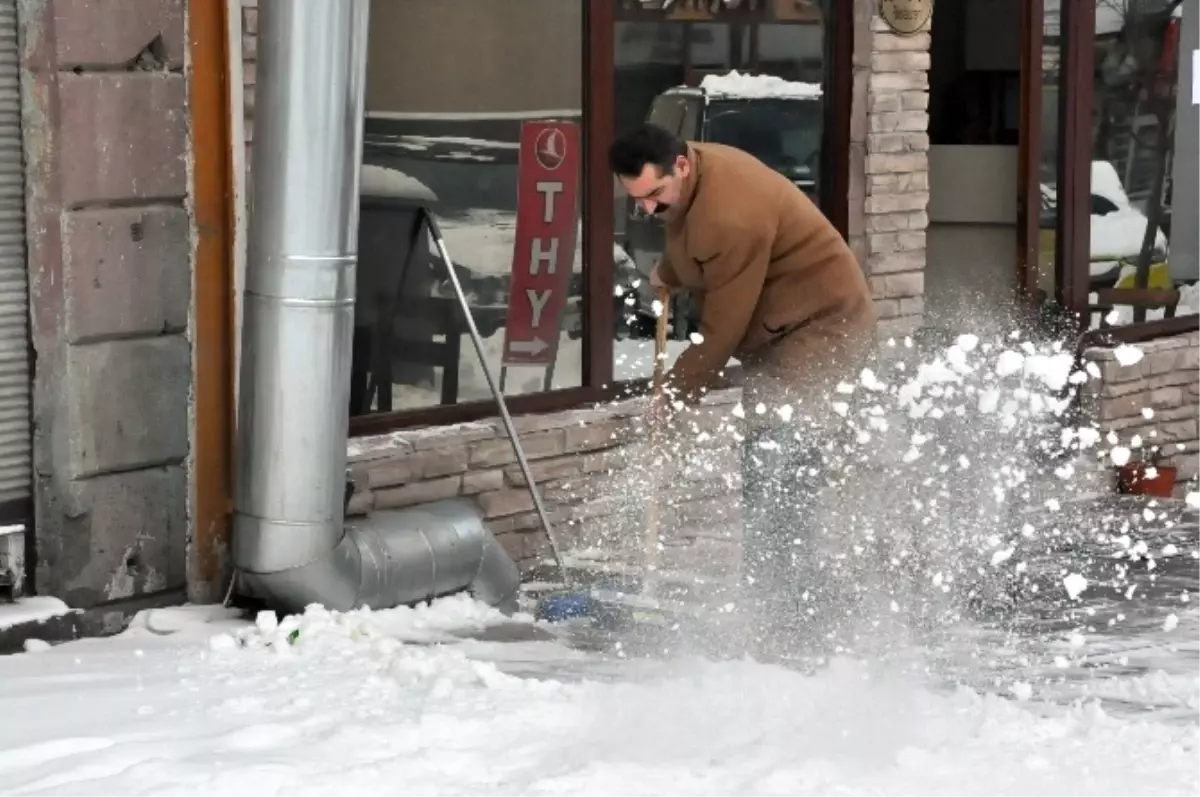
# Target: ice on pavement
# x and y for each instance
(346, 703)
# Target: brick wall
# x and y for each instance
(596, 474)
(109, 234)
(1167, 383)
(889, 167)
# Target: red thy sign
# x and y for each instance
(544, 249)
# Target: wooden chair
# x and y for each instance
(401, 304)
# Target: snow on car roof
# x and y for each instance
(743, 86)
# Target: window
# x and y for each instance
(464, 99)
(1142, 263)
(1048, 278)
(784, 134)
(451, 85)
(672, 67)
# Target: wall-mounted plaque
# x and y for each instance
(905, 17)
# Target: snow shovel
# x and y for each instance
(613, 604)
(571, 602)
(513, 437)
(645, 607)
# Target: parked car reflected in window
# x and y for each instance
(784, 134)
(779, 122)
(752, 80)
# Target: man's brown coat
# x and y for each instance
(777, 286)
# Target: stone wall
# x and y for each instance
(104, 97)
(1164, 384)
(889, 167)
(596, 473)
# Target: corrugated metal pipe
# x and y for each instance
(290, 541)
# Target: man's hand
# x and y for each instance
(656, 280)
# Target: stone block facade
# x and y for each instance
(889, 167)
(596, 473)
(115, 255)
(1154, 402)
(146, 161)
(104, 93)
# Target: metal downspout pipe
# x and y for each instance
(290, 544)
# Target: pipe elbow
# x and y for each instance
(400, 557)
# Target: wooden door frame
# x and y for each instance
(214, 211)
(1073, 241)
(1073, 156)
(598, 112)
(1029, 152)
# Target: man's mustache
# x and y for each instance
(640, 213)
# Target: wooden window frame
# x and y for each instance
(599, 26)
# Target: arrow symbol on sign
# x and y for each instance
(535, 346)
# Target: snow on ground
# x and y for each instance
(1089, 684)
(347, 703)
(30, 610)
(1100, 697)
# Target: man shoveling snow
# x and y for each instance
(778, 288)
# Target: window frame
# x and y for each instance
(599, 26)
(1073, 236)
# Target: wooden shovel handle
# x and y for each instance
(660, 340)
(650, 552)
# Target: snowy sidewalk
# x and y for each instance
(193, 701)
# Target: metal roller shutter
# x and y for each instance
(15, 442)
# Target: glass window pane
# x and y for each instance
(1143, 197)
(657, 57)
(711, 45)
(451, 86)
(1047, 265)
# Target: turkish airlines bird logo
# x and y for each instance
(550, 148)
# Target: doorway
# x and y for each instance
(978, 199)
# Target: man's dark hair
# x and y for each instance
(649, 143)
